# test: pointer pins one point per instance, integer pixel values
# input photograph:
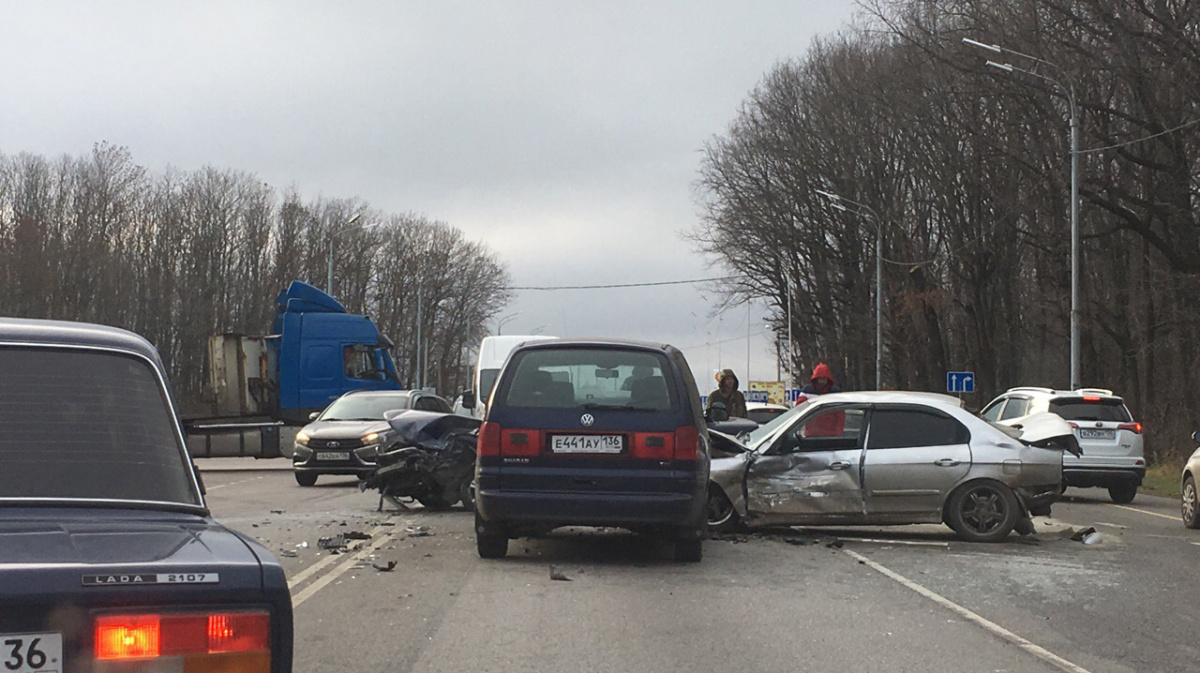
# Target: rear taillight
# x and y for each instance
(1132, 427)
(1091, 398)
(202, 642)
(1073, 424)
(687, 442)
(489, 439)
(653, 445)
(520, 442)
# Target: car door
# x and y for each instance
(915, 455)
(810, 473)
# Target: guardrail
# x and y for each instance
(268, 444)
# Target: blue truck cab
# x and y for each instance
(317, 352)
(324, 351)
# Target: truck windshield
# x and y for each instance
(81, 424)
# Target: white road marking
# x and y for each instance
(232, 483)
(1036, 650)
(1143, 511)
(915, 543)
(1111, 525)
(338, 571)
(311, 570)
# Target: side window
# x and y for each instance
(992, 413)
(906, 428)
(360, 363)
(1016, 407)
(835, 429)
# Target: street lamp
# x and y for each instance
(1069, 90)
(839, 202)
(504, 321)
(348, 226)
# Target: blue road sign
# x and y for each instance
(960, 382)
(758, 396)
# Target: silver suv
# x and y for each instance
(1111, 440)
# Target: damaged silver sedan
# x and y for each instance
(883, 458)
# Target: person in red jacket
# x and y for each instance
(829, 424)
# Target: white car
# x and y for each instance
(1109, 437)
(764, 412)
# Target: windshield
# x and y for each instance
(755, 437)
(363, 407)
(88, 425)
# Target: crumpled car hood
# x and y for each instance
(429, 429)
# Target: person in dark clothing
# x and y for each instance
(728, 394)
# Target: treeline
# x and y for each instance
(968, 169)
(179, 256)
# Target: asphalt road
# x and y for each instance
(900, 599)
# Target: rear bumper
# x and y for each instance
(1105, 477)
(1037, 500)
(554, 509)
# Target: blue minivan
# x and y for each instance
(593, 433)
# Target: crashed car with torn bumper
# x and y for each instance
(883, 458)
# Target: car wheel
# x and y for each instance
(689, 551)
(466, 494)
(489, 542)
(722, 517)
(1189, 505)
(983, 511)
(306, 478)
(1122, 495)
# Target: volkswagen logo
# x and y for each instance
(587, 420)
(333, 445)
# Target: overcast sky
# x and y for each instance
(566, 135)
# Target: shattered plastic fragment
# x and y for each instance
(385, 568)
(288, 553)
(557, 574)
(1082, 533)
(1093, 538)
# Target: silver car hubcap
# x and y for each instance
(1189, 501)
(983, 510)
(719, 509)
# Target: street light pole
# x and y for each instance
(837, 202)
(1069, 90)
(332, 234)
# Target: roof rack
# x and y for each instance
(1094, 391)
(1031, 389)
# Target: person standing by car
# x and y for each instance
(821, 383)
(728, 394)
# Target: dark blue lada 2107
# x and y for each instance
(109, 559)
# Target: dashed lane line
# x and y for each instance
(997, 630)
(339, 570)
(1144, 511)
(313, 569)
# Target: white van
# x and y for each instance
(493, 351)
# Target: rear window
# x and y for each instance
(1079, 409)
(763, 415)
(87, 425)
(590, 378)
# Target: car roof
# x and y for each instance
(1034, 391)
(79, 334)
(890, 397)
(386, 393)
(600, 342)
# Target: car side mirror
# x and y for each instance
(313, 415)
(717, 413)
(468, 399)
(1196, 436)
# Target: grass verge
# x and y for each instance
(1162, 480)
